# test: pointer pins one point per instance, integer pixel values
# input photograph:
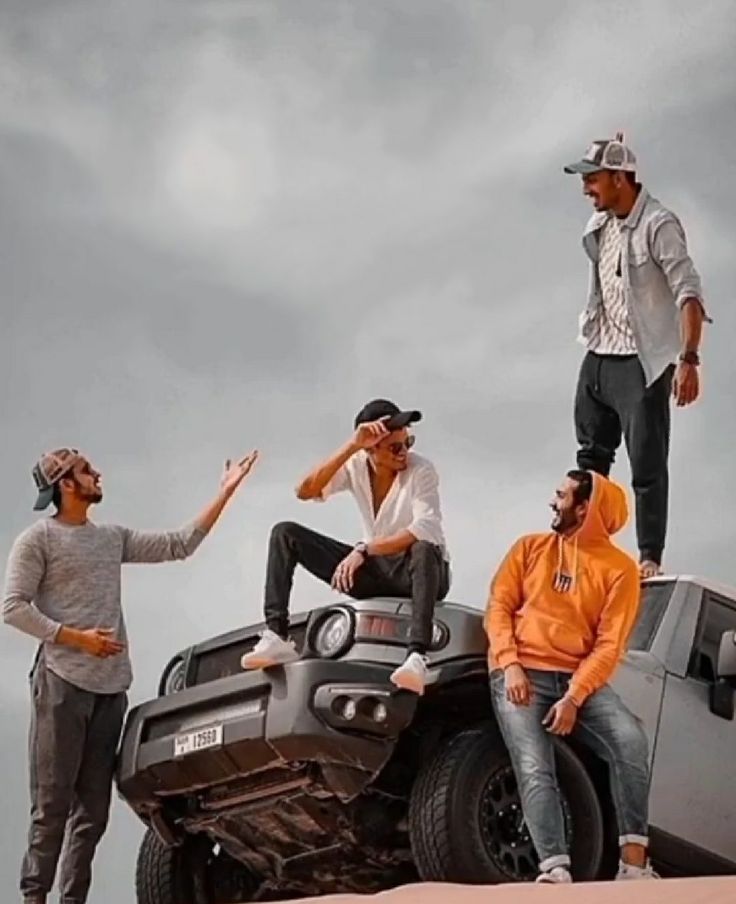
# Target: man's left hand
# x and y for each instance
(561, 718)
(686, 385)
(344, 576)
(234, 474)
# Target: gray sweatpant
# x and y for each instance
(72, 747)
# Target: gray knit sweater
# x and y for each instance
(60, 574)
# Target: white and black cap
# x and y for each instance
(605, 154)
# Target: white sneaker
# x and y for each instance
(270, 650)
(412, 674)
(629, 871)
(558, 875)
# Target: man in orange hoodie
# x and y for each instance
(561, 609)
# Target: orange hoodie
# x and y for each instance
(568, 605)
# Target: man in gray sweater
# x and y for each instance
(63, 588)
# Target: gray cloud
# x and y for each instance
(226, 225)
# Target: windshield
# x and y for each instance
(654, 599)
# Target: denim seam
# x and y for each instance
(614, 785)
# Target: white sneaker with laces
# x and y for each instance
(558, 875)
(270, 650)
(629, 871)
(412, 675)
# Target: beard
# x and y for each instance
(92, 496)
(563, 520)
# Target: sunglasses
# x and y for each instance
(398, 448)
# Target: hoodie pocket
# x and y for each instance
(542, 635)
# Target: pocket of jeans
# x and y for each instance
(497, 682)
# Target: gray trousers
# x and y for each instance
(612, 400)
(72, 747)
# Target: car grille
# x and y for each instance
(225, 661)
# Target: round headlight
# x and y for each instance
(333, 633)
(172, 679)
(440, 636)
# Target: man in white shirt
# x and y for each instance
(402, 553)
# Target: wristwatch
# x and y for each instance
(362, 548)
(690, 357)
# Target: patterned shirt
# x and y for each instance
(611, 332)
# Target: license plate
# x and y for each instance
(198, 740)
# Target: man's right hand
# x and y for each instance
(98, 642)
(370, 434)
(518, 685)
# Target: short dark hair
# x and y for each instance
(584, 485)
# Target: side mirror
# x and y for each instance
(722, 690)
(726, 668)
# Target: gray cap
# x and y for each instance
(49, 470)
(605, 154)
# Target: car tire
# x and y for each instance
(465, 820)
(161, 875)
(193, 873)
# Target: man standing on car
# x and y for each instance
(63, 588)
(645, 312)
(403, 551)
(561, 608)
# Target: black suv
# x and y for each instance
(320, 776)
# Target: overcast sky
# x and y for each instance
(228, 224)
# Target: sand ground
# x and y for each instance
(716, 890)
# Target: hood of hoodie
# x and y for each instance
(608, 512)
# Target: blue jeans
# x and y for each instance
(606, 726)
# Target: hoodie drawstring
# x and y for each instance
(564, 583)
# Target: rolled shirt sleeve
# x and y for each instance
(426, 523)
(339, 483)
(669, 248)
(25, 571)
(165, 546)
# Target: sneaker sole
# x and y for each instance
(409, 683)
(264, 662)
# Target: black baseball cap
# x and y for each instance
(382, 408)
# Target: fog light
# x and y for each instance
(349, 709)
(380, 712)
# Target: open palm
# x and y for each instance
(235, 473)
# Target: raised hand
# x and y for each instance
(234, 474)
(370, 434)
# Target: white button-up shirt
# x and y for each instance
(412, 503)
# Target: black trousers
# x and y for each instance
(421, 574)
(73, 741)
(612, 401)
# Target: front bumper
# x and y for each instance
(280, 728)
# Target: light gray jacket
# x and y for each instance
(658, 277)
